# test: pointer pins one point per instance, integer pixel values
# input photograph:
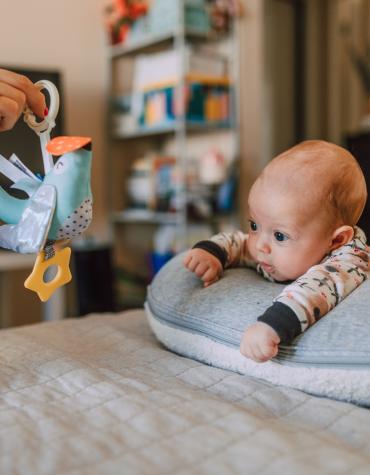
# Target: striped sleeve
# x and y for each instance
(323, 286)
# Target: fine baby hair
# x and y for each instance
(323, 175)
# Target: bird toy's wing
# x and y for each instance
(30, 233)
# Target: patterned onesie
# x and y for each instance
(307, 299)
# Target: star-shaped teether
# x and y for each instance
(35, 280)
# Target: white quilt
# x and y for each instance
(99, 395)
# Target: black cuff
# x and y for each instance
(283, 320)
(213, 249)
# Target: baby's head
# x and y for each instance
(304, 205)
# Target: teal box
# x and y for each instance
(164, 16)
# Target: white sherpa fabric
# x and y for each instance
(350, 385)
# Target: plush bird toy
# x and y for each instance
(58, 208)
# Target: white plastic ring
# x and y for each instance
(49, 121)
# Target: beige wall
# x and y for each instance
(68, 36)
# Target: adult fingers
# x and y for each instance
(13, 104)
(34, 98)
(9, 113)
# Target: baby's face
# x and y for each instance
(284, 237)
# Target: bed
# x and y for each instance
(100, 395)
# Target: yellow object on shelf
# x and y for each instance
(35, 280)
(190, 78)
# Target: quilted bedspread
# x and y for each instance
(99, 395)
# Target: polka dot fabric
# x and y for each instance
(60, 145)
(76, 222)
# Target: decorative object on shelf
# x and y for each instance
(130, 21)
(151, 183)
(119, 15)
(139, 183)
(164, 15)
(59, 206)
(207, 102)
(222, 12)
(226, 194)
(155, 90)
(123, 120)
(164, 245)
(212, 168)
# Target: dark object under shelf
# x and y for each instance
(359, 146)
(93, 277)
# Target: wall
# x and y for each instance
(67, 36)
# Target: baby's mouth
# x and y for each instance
(266, 267)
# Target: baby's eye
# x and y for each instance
(252, 225)
(280, 236)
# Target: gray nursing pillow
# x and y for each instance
(332, 358)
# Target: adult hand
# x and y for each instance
(15, 92)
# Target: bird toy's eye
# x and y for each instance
(61, 166)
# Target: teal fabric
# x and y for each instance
(72, 185)
(70, 176)
(222, 311)
(11, 208)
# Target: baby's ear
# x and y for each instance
(341, 236)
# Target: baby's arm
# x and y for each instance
(260, 342)
(310, 297)
(233, 246)
(205, 265)
(208, 258)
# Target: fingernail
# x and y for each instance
(46, 111)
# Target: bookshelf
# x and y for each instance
(169, 120)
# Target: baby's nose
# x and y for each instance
(263, 245)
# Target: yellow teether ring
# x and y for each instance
(35, 281)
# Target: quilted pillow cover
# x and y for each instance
(332, 358)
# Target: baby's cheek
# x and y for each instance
(284, 265)
(289, 269)
(251, 247)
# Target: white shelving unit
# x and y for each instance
(124, 145)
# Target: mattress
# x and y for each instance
(100, 395)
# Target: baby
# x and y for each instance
(303, 210)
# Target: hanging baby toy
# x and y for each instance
(58, 207)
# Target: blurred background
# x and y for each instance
(186, 102)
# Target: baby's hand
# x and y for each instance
(205, 265)
(260, 342)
